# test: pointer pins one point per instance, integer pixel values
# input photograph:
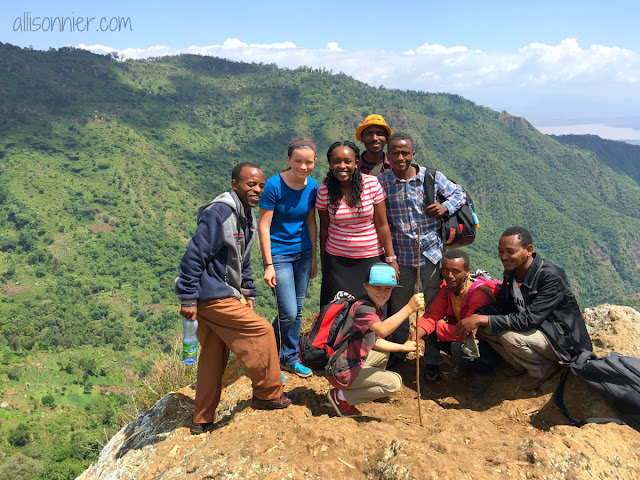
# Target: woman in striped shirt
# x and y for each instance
(354, 233)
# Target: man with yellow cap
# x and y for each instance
(373, 133)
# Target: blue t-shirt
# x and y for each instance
(289, 233)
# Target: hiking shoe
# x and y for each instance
(470, 346)
(297, 368)
(342, 408)
(198, 428)
(431, 373)
(283, 401)
(481, 382)
(531, 383)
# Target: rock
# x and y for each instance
(613, 328)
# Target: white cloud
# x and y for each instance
(598, 73)
(436, 49)
(535, 64)
(231, 43)
(568, 62)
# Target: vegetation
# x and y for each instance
(620, 156)
(103, 164)
(167, 375)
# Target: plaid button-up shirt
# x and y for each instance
(406, 212)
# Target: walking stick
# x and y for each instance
(278, 318)
(416, 331)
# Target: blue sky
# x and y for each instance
(556, 63)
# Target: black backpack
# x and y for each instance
(317, 345)
(459, 228)
(615, 377)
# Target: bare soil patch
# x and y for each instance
(10, 288)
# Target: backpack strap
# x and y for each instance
(429, 187)
(345, 342)
(342, 346)
(482, 286)
(558, 395)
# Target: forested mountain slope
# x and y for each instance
(103, 163)
(621, 156)
(102, 166)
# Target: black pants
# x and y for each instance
(483, 365)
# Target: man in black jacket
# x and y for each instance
(535, 321)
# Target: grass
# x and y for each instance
(168, 374)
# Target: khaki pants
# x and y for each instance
(373, 381)
(227, 325)
(530, 349)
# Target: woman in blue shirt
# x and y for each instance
(288, 232)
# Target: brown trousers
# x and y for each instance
(227, 325)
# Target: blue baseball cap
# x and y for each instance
(382, 275)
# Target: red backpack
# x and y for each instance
(485, 282)
(317, 345)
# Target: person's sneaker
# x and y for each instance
(342, 408)
(470, 346)
(198, 428)
(297, 368)
(531, 383)
(284, 380)
(481, 382)
(431, 373)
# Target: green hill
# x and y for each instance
(620, 156)
(103, 163)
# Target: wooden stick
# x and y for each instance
(279, 328)
(416, 331)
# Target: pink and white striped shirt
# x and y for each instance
(352, 233)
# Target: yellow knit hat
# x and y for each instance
(371, 120)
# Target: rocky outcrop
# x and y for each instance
(614, 328)
(505, 433)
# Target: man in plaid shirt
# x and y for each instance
(406, 212)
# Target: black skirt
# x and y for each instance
(346, 274)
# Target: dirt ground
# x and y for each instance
(504, 433)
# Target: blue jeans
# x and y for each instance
(292, 277)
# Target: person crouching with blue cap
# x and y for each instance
(358, 374)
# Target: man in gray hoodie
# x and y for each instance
(216, 287)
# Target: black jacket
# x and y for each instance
(550, 307)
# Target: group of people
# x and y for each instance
(371, 206)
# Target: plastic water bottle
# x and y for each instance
(475, 217)
(189, 341)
